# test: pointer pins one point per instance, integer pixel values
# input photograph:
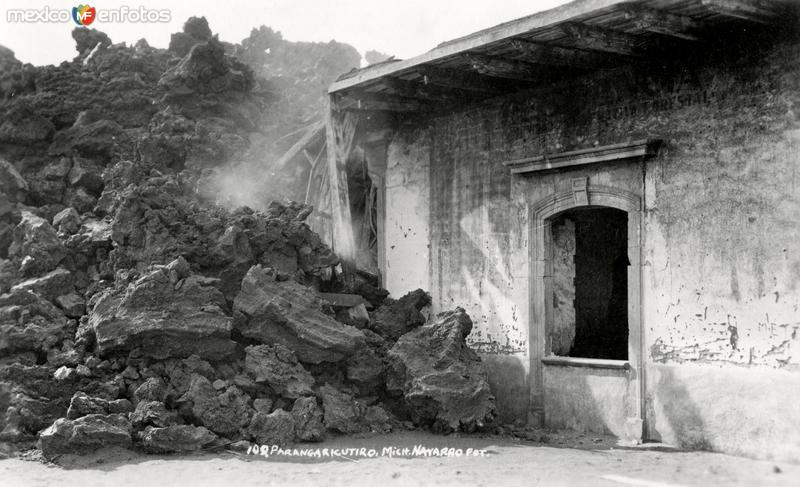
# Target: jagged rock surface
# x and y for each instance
(85, 434)
(166, 313)
(271, 310)
(308, 419)
(343, 413)
(82, 404)
(30, 323)
(277, 366)
(181, 438)
(138, 311)
(36, 245)
(397, 317)
(275, 428)
(440, 378)
(225, 413)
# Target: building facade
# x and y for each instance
(625, 236)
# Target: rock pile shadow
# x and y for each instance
(135, 312)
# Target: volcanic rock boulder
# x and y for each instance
(72, 304)
(22, 125)
(23, 413)
(153, 413)
(312, 254)
(13, 189)
(366, 370)
(278, 367)
(88, 39)
(67, 221)
(155, 219)
(206, 69)
(93, 238)
(308, 420)
(181, 438)
(83, 404)
(341, 410)
(29, 323)
(91, 138)
(87, 175)
(441, 379)
(272, 311)
(12, 185)
(377, 420)
(225, 413)
(167, 313)
(56, 283)
(152, 389)
(85, 434)
(36, 245)
(30, 398)
(263, 405)
(195, 31)
(345, 414)
(397, 317)
(46, 179)
(276, 428)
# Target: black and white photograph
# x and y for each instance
(400, 243)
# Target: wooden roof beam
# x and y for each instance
(592, 38)
(370, 101)
(421, 91)
(499, 67)
(664, 23)
(750, 10)
(557, 56)
(463, 80)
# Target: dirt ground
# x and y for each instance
(561, 460)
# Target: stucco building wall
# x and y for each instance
(407, 199)
(720, 255)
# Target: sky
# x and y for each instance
(401, 28)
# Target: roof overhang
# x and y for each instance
(556, 44)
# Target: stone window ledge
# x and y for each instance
(591, 363)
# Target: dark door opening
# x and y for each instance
(363, 195)
(590, 284)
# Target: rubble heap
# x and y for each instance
(136, 313)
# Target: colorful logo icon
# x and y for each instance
(83, 14)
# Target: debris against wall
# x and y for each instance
(136, 312)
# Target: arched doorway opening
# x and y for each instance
(586, 324)
(590, 284)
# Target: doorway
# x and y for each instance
(585, 302)
(590, 284)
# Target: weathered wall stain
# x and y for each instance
(734, 336)
(721, 237)
(721, 194)
(735, 284)
(406, 229)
